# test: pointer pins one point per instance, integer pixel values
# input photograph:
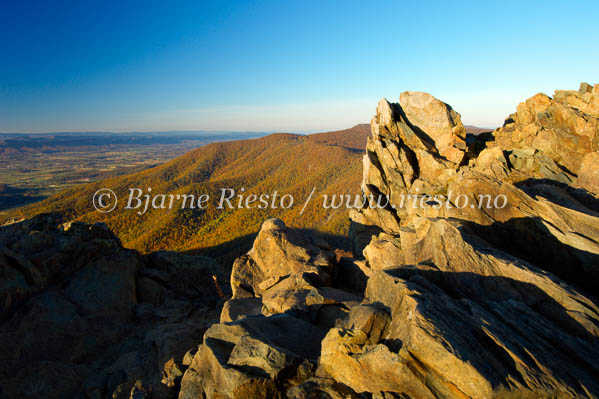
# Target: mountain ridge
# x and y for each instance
(289, 163)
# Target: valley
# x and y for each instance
(37, 166)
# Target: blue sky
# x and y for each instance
(280, 65)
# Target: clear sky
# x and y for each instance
(280, 65)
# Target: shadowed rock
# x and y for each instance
(85, 317)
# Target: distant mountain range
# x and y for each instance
(15, 143)
(476, 130)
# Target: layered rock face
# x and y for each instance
(491, 301)
(513, 187)
(483, 300)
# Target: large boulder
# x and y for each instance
(279, 252)
(588, 173)
(438, 121)
(257, 357)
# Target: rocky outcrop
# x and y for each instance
(254, 357)
(565, 127)
(479, 296)
(456, 297)
(84, 317)
(268, 341)
(517, 191)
